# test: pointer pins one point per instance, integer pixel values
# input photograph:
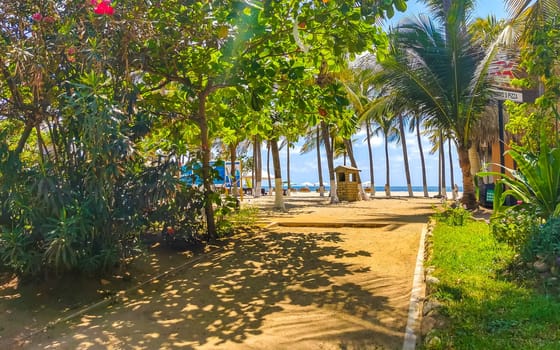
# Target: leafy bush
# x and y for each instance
(181, 215)
(82, 206)
(18, 251)
(454, 215)
(514, 226)
(545, 244)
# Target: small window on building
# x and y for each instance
(341, 177)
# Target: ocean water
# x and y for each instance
(377, 188)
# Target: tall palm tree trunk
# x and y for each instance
(474, 156)
(387, 171)
(469, 197)
(442, 158)
(330, 162)
(278, 197)
(439, 174)
(422, 160)
(319, 166)
(405, 156)
(370, 153)
(451, 172)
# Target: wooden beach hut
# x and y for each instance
(347, 183)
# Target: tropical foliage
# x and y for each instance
(530, 226)
(535, 182)
(102, 102)
(437, 66)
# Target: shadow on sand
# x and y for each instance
(226, 299)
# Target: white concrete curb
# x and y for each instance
(416, 297)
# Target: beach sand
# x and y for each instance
(316, 276)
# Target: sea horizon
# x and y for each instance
(377, 188)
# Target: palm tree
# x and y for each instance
(402, 139)
(312, 141)
(286, 143)
(436, 137)
(532, 12)
(370, 157)
(451, 172)
(386, 127)
(439, 68)
(414, 126)
(362, 94)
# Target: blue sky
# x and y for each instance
(304, 167)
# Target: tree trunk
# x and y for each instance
(469, 196)
(233, 178)
(41, 146)
(206, 177)
(350, 151)
(330, 161)
(254, 167)
(442, 157)
(405, 156)
(370, 152)
(451, 172)
(268, 167)
(474, 159)
(439, 172)
(278, 197)
(257, 160)
(422, 160)
(387, 172)
(319, 166)
(288, 193)
(23, 139)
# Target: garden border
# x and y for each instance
(417, 297)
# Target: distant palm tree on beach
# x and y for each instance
(437, 66)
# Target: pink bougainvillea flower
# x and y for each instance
(48, 19)
(37, 17)
(103, 7)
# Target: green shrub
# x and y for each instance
(18, 252)
(453, 215)
(514, 226)
(545, 244)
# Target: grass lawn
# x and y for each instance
(482, 307)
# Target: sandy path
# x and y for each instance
(286, 288)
